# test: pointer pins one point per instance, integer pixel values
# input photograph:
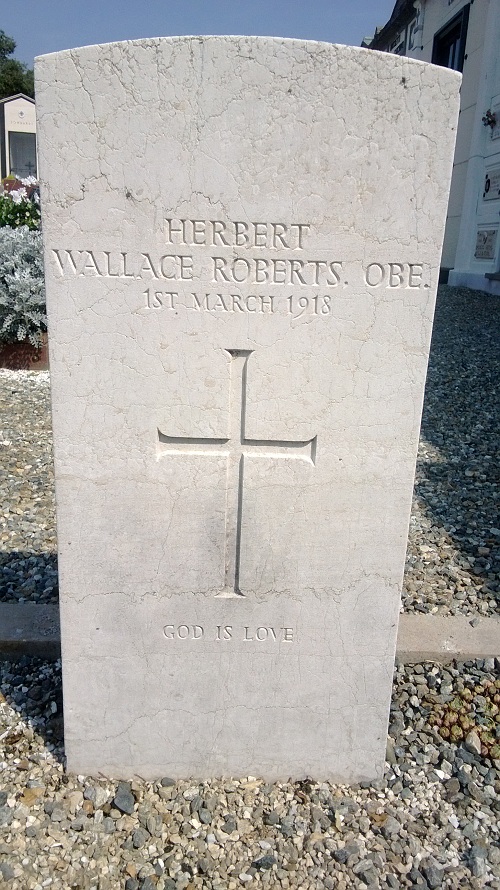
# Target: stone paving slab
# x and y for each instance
(31, 629)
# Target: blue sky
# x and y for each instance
(45, 26)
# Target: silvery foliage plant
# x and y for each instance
(22, 289)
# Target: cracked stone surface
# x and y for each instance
(241, 270)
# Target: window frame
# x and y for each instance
(460, 23)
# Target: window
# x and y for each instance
(449, 43)
(398, 45)
(22, 151)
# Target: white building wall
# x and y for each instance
(472, 240)
(433, 15)
(473, 72)
(478, 243)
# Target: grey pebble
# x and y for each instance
(97, 795)
(205, 816)
(204, 865)
(58, 814)
(154, 825)
(475, 792)
(124, 800)
(196, 803)
(264, 863)
(432, 872)
(494, 855)
(140, 837)
(365, 867)
(452, 787)
(390, 755)
(6, 816)
(477, 866)
(390, 827)
(469, 831)
(6, 871)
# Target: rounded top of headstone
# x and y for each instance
(318, 48)
(203, 38)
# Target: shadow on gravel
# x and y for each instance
(33, 688)
(459, 484)
(29, 576)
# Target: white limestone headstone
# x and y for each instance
(242, 240)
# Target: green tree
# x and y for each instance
(15, 77)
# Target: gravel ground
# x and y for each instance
(28, 542)
(432, 822)
(453, 558)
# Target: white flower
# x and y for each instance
(29, 180)
(19, 195)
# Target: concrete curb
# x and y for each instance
(31, 629)
(443, 639)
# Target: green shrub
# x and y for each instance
(22, 289)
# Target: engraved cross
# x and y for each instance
(236, 448)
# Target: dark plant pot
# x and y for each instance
(22, 356)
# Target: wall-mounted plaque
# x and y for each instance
(491, 189)
(485, 244)
(495, 133)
